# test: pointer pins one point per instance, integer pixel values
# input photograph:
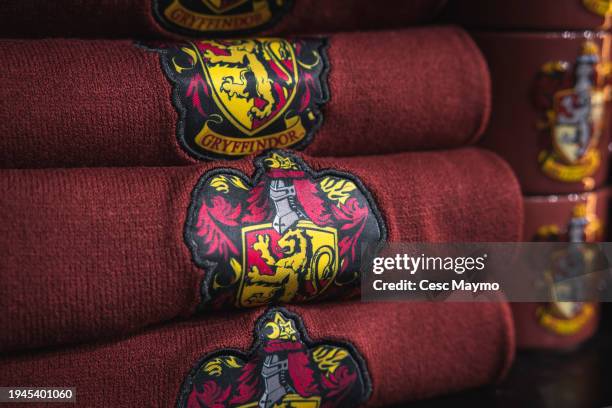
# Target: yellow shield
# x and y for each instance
(252, 81)
(295, 266)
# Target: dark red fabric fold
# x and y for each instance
(92, 253)
(135, 18)
(525, 14)
(67, 103)
(411, 351)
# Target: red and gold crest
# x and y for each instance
(283, 369)
(568, 269)
(198, 18)
(239, 97)
(287, 235)
(574, 101)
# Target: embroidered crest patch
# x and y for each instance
(573, 104)
(239, 97)
(568, 318)
(287, 235)
(284, 368)
(205, 18)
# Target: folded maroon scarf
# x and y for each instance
(79, 103)
(203, 18)
(576, 218)
(336, 356)
(94, 252)
(526, 14)
(551, 107)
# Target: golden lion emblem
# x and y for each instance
(308, 255)
(251, 79)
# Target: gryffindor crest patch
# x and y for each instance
(239, 97)
(283, 369)
(287, 235)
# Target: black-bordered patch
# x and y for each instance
(212, 18)
(240, 97)
(287, 235)
(283, 368)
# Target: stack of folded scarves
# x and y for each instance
(550, 120)
(154, 257)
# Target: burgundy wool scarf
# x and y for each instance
(73, 103)
(92, 253)
(205, 18)
(561, 325)
(379, 354)
(557, 15)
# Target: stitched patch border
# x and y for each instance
(204, 262)
(213, 122)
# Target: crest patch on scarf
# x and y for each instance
(287, 235)
(584, 227)
(239, 97)
(573, 99)
(205, 18)
(283, 369)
